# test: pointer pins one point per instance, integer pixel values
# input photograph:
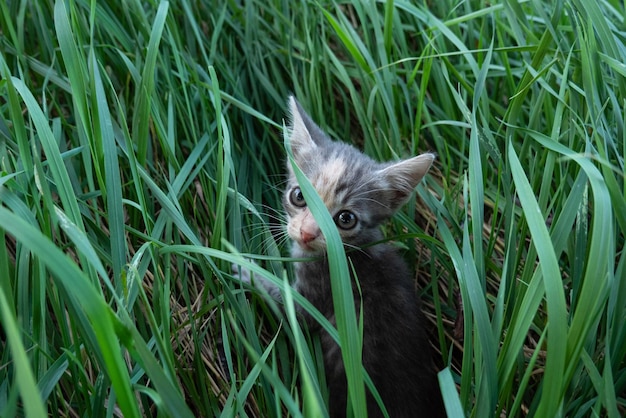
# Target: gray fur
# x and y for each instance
(396, 351)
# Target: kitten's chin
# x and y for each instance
(305, 250)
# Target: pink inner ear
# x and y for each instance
(300, 138)
(399, 196)
(404, 176)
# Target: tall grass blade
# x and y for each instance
(23, 374)
(553, 385)
(350, 339)
(143, 111)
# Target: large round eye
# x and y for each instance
(297, 198)
(345, 219)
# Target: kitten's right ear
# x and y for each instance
(306, 136)
(300, 138)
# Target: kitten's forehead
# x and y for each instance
(328, 178)
(340, 174)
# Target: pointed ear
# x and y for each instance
(403, 176)
(305, 134)
(300, 138)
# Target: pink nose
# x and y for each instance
(307, 236)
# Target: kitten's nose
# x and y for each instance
(307, 236)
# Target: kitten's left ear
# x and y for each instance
(404, 176)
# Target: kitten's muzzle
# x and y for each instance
(307, 237)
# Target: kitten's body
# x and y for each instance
(396, 353)
(360, 194)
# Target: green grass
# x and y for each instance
(141, 154)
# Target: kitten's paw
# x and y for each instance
(241, 273)
(257, 281)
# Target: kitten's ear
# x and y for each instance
(404, 176)
(305, 134)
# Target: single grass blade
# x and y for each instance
(350, 339)
(103, 131)
(449, 393)
(53, 155)
(554, 383)
(27, 387)
(313, 405)
(144, 97)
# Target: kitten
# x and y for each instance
(360, 194)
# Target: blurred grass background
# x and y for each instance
(141, 151)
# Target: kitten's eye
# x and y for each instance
(345, 219)
(297, 198)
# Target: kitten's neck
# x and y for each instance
(367, 248)
(371, 253)
(373, 266)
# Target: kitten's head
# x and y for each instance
(359, 192)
